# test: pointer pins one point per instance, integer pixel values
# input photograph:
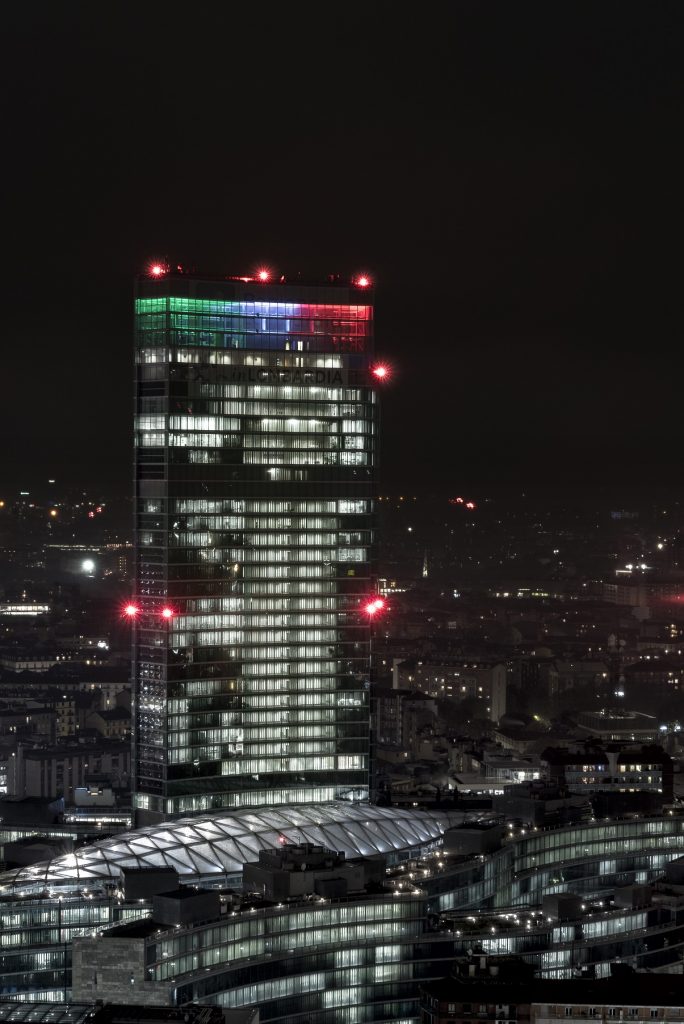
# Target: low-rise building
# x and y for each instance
(611, 726)
(597, 769)
(483, 988)
(48, 772)
(114, 723)
(458, 679)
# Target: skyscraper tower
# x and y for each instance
(255, 442)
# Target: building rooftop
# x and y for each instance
(262, 277)
(625, 988)
(15, 1012)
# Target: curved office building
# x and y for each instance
(361, 955)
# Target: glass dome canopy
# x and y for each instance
(218, 845)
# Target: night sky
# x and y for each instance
(509, 173)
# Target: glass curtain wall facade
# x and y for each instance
(255, 438)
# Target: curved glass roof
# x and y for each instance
(219, 844)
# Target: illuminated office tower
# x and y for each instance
(255, 443)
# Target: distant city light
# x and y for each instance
(53, 512)
(88, 565)
(470, 504)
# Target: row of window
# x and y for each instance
(173, 965)
(254, 322)
(275, 427)
(314, 602)
(256, 407)
(157, 348)
(236, 800)
(257, 621)
(251, 307)
(264, 391)
(254, 524)
(291, 555)
(341, 506)
(298, 442)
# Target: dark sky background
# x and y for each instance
(510, 173)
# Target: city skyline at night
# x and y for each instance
(342, 656)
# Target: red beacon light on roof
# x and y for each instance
(363, 281)
(380, 371)
(167, 613)
(264, 274)
(131, 610)
(375, 606)
(157, 269)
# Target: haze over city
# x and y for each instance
(341, 515)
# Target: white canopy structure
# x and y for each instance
(220, 844)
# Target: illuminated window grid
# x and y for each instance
(296, 570)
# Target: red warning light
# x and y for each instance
(375, 606)
(470, 504)
(157, 269)
(381, 371)
(363, 281)
(131, 610)
(264, 274)
(91, 515)
(167, 613)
